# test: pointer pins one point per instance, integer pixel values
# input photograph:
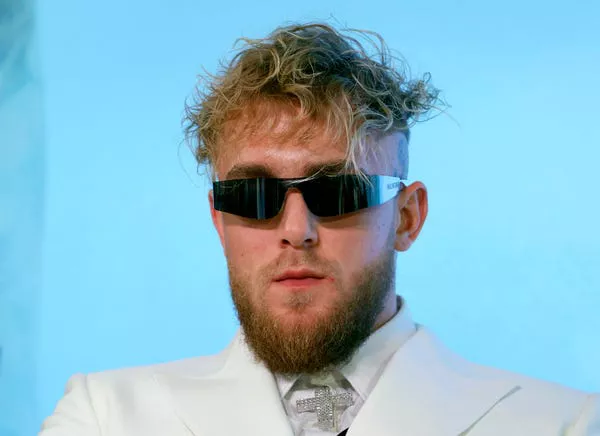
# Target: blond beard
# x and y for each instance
(317, 346)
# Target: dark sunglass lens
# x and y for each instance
(259, 198)
(338, 195)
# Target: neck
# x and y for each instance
(390, 309)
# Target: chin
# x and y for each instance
(303, 315)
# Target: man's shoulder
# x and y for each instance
(90, 400)
(528, 384)
(496, 397)
(537, 403)
(533, 386)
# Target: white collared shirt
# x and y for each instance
(358, 377)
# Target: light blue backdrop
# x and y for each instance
(506, 269)
(21, 215)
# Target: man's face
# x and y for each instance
(338, 273)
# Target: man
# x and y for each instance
(306, 139)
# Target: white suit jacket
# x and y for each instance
(425, 390)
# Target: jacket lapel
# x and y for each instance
(426, 390)
(240, 398)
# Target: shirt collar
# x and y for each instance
(368, 362)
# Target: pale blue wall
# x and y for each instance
(506, 270)
(21, 212)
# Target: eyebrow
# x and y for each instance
(242, 171)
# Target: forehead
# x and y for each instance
(276, 142)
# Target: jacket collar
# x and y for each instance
(240, 397)
(424, 390)
(368, 363)
(427, 390)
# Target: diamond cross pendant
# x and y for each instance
(324, 404)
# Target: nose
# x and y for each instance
(298, 226)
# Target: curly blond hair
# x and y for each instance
(326, 74)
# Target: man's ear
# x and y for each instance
(217, 218)
(412, 211)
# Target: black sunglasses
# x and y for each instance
(325, 196)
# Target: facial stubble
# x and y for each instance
(326, 342)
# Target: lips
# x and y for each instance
(300, 283)
(299, 276)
